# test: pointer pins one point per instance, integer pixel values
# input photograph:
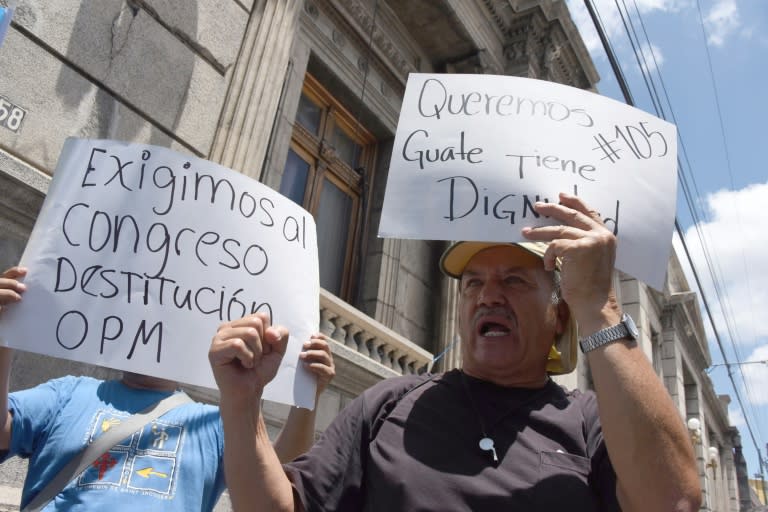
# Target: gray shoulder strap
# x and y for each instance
(90, 453)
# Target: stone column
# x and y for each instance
(447, 328)
(742, 475)
(252, 101)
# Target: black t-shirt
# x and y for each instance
(411, 444)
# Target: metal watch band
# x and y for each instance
(604, 336)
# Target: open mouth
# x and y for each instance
(492, 329)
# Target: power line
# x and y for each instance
(628, 98)
(639, 54)
(716, 93)
(712, 264)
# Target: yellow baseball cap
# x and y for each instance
(564, 352)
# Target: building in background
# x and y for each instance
(757, 489)
(304, 95)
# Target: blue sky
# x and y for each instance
(725, 62)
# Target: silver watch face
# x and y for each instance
(630, 324)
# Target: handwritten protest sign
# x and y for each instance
(473, 153)
(139, 253)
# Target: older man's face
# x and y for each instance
(507, 319)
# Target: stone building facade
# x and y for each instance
(304, 95)
(672, 335)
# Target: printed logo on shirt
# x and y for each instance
(151, 473)
(145, 462)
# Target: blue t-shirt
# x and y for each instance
(174, 462)
(6, 13)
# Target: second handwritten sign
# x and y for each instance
(473, 153)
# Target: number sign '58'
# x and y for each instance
(11, 116)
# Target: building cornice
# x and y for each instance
(676, 317)
(543, 42)
(389, 40)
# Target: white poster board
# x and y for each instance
(473, 153)
(140, 253)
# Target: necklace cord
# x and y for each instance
(486, 431)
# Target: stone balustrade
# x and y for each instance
(369, 338)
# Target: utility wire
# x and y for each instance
(628, 98)
(712, 265)
(726, 150)
(636, 50)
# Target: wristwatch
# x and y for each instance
(624, 329)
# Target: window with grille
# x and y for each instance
(329, 153)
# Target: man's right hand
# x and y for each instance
(10, 286)
(245, 355)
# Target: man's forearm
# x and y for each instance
(255, 478)
(644, 434)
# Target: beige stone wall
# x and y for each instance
(141, 71)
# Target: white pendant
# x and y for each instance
(486, 444)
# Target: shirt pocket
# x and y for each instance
(563, 483)
(551, 462)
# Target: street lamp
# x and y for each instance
(714, 454)
(694, 429)
(712, 367)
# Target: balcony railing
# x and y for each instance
(365, 351)
(369, 338)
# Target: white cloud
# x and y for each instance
(721, 21)
(583, 22)
(735, 416)
(613, 24)
(662, 5)
(737, 242)
(654, 59)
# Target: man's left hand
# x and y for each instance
(317, 358)
(587, 250)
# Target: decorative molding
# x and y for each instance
(339, 38)
(362, 63)
(479, 62)
(495, 16)
(544, 42)
(311, 9)
(317, 36)
(486, 29)
(362, 20)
